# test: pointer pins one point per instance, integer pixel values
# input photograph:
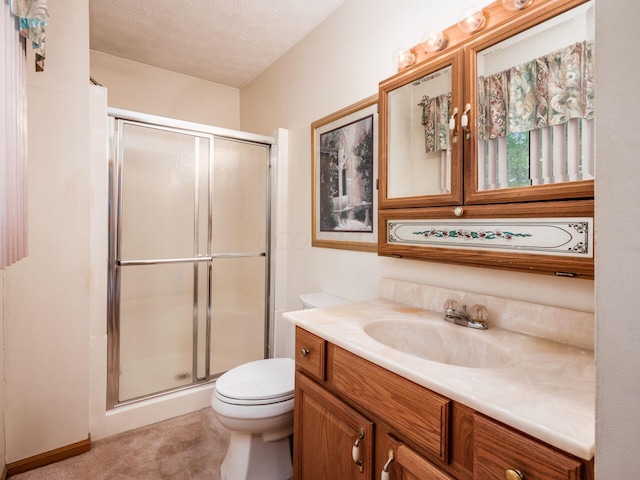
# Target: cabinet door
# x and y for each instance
(531, 87)
(420, 157)
(331, 440)
(407, 464)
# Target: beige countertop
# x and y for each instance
(544, 388)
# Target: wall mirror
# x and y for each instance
(533, 99)
(422, 158)
(506, 180)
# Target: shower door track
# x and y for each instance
(125, 117)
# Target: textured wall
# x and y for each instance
(617, 253)
(2, 374)
(142, 88)
(46, 295)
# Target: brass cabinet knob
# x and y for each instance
(513, 474)
(458, 211)
(304, 352)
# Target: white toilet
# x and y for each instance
(320, 299)
(255, 402)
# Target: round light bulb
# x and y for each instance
(403, 58)
(471, 19)
(433, 40)
(516, 4)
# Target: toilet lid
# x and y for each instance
(262, 381)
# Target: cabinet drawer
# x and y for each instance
(395, 400)
(498, 448)
(310, 353)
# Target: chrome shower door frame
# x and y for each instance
(117, 119)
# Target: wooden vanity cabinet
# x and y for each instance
(340, 398)
(343, 400)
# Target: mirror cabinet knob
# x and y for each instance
(458, 211)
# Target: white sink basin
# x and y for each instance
(442, 343)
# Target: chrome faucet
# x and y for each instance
(453, 314)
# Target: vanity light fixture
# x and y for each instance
(471, 19)
(516, 4)
(403, 58)
(433, 40)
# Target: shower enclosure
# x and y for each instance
(189, 253)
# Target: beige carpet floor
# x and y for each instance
(190, 447)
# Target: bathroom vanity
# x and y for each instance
(370, 408)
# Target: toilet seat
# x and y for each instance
(262, 382)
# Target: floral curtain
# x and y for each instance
(435, 118)
(546, 91)
(33, 15)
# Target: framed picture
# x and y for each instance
(344, 152)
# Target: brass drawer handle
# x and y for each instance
(355, 451)
(385, 470)
(513, 474)
(304, 352)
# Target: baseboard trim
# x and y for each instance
(46, 458)
(4, 473)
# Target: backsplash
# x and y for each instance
(558, 324)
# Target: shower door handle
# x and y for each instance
(238, 255)
(159, 261)
(201, 258)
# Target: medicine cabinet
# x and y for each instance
(486, 150)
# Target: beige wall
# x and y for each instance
(340, 63)
(46, 294)
(2, 374)
(617, 253)
(142, 88)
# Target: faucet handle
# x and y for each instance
(479, 313)
(451, 304)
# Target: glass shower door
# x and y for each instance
(240, 269)
(189, 267)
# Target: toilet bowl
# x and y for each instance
(254, 402)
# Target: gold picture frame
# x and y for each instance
(344, 154)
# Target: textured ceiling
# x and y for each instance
(224, 41)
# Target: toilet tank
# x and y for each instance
(320, 299)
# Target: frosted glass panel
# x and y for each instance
(239, 197)
(159, 173)
(156, 328)
(238, 312)
(184, 308)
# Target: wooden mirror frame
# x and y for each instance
(451, 59)
(548, 203)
